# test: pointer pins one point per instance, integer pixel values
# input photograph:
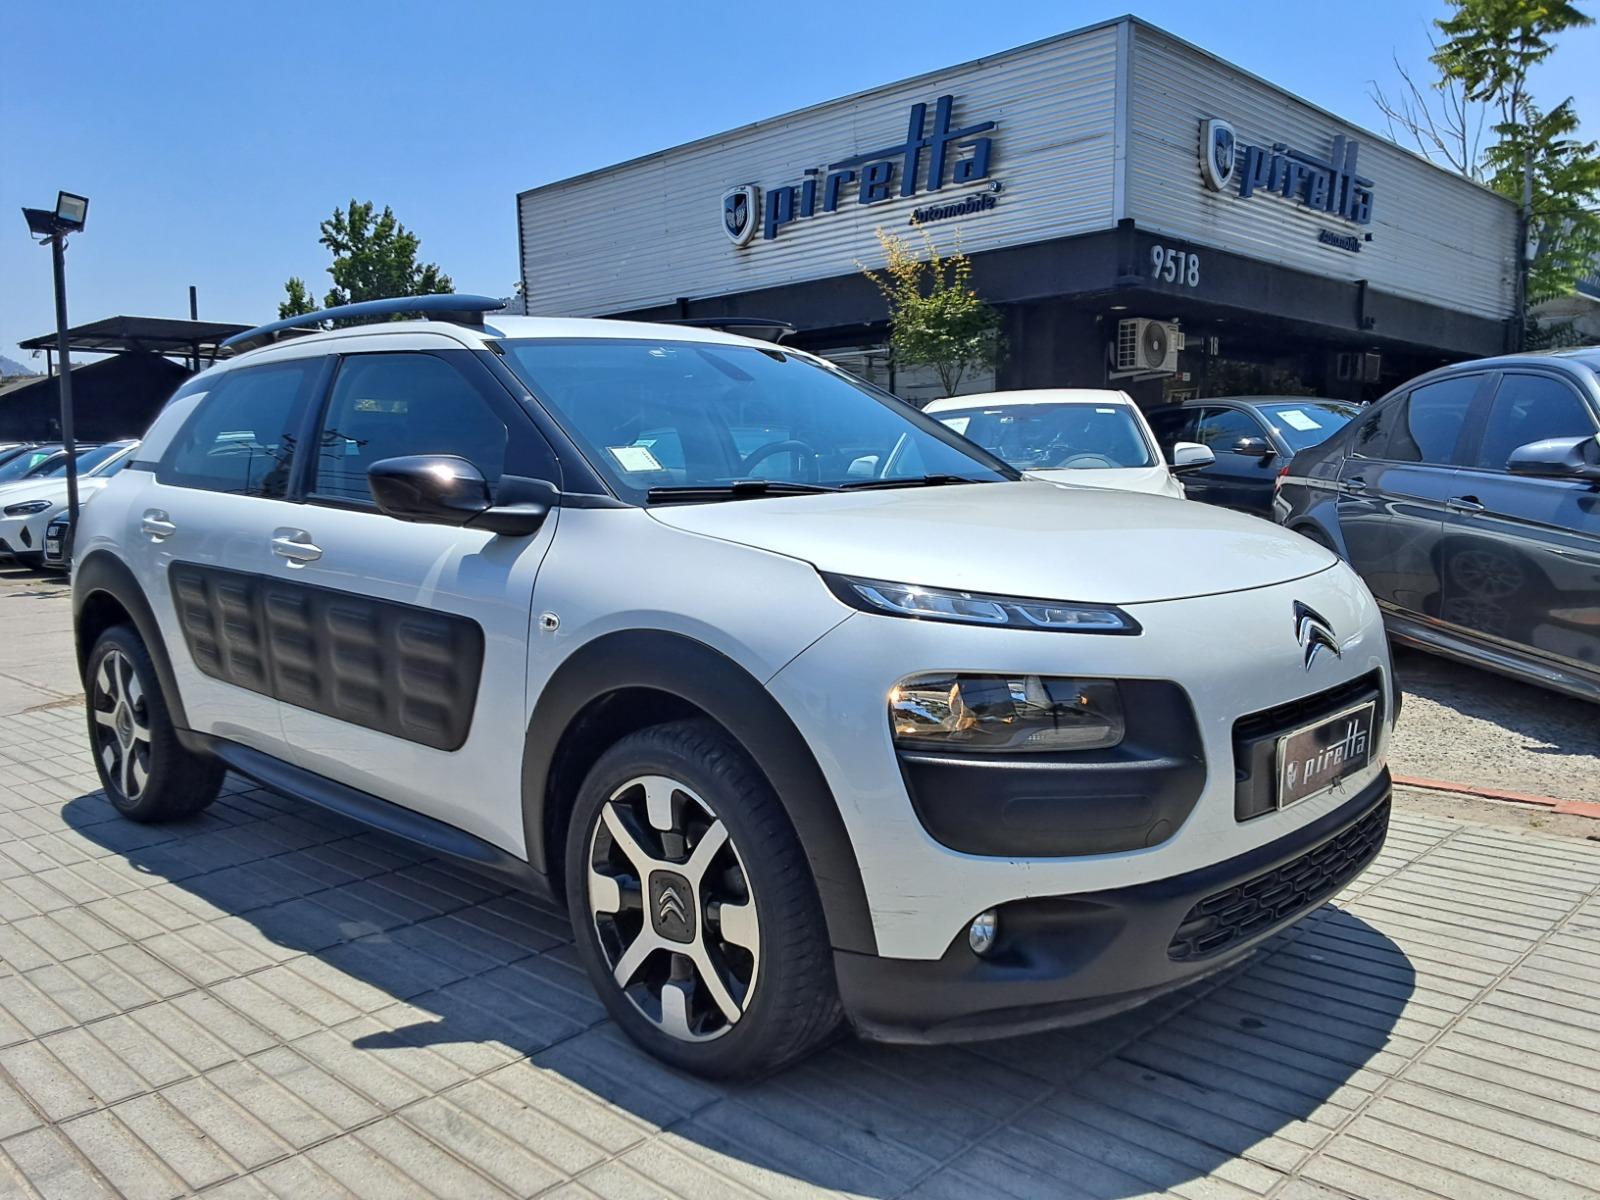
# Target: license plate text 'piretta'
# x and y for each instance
(1315, 758)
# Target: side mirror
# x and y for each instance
(1190, 456)
(1558, 458)
(445, 489)
(1253, 447)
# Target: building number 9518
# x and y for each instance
(1174, 266)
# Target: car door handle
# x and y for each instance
(295, 545)
(1356, 484)
(156, 525)
(1463, 504)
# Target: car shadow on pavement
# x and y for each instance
(423, 987)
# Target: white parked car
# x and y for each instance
(26, 506)
(941, 751)
(1088, 437)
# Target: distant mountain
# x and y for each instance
(10, 367)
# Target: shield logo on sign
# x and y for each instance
(1219, 151)
(740, 206)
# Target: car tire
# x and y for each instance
(147, 773)
(644, 831)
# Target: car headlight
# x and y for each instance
(27, 507)
(978, 608)
(1018, 713)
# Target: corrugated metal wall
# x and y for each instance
(1435, 237)
(648, 232)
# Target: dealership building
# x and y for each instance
(1144, 214)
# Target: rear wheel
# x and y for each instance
(693, 905)
(146, 772)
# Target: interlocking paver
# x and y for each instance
(273, 1001)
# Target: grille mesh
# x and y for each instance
(1246, 909)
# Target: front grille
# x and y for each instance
(1274, 897)
(1255, 739)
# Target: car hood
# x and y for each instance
(1028, 538)
(1152, 481)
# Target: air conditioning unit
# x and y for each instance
(1148, 347)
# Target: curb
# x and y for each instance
(1570, 808)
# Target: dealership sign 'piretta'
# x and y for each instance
(1328, 185)
(959, 155)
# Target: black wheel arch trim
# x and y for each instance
(696, 673)
(102, 573)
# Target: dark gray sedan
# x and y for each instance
(1469, 501)
(1253, 438)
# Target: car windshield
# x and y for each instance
(1049, 437)
(29, 464)
(88, 460)
(1307, 423)
(655, 417)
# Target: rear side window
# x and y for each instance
(1531, 408)
(1429, 423)
(241, 436)
(389, 405)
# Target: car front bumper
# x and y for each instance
(1067, 960)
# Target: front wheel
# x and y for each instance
(147, 774)
(693, 905)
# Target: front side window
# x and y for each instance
(390, 405)
(240, 437)
(1045, 437)
(1531, 408)
(1308, 423)
(659, 415)
(1429, 423)
(1222, 428)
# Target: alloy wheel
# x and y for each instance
(673, 909)
(122, 724)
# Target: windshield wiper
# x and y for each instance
(739, 489)
(911, 481)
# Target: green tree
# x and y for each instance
(299, 301)
(935, 317)
(1490, 47)
(374, 258)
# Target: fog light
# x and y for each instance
(983, 931)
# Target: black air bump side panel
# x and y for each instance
(403, 670)
(217, 613)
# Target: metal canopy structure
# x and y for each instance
(160, 335)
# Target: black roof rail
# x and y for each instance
(746, 325)
(459, 309)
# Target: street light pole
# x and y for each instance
(69, 215)
(58, 260)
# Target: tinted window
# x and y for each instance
(1308, 423)
(1371, 437)
(1531, 408)
(1053, 436)
(1429, 424)
(723, 413)
(30, 464)
(240, 437)
(388, 405)
(1173, 425)
(1220, 428)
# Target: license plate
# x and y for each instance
(52, 547)
(1319, 756)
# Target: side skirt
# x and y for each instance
(1476, 653)
(371, 810)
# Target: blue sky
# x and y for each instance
(212, 138)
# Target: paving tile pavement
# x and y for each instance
(269, 1000)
